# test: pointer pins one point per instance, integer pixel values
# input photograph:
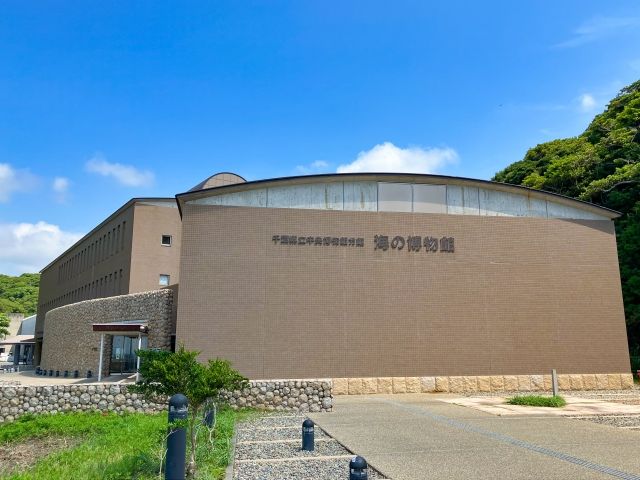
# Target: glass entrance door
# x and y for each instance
(123, 354)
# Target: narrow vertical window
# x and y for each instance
(124, 230)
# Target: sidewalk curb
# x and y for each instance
(232, 455)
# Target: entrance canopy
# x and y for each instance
(126, 328)
(18, 340)
(129, 327)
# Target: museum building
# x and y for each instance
(362, 278)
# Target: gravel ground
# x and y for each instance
(273, 420)
(245, 451)
(630, 422)
(287, 433)
(268, 437)
(299, 470)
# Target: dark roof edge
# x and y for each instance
(179, 196)
(106, 220)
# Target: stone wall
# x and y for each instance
(71, 344)
(284, 395)
(472, 384)
(281, 395)
(18, 400)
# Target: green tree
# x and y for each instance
(167, 373)
(601, 166)
(19, 294)
(4, 325)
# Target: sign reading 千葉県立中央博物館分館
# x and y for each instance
(411, 243)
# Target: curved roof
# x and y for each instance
(206, 190)
(220, 179)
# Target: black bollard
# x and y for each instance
(358, 469)
(209, 417)
(57, 373)
(89, 374)
(38, 371)
(51, 373)
(177, 439)
(76, 374)
(66, 373)
(307, 435)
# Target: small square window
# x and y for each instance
(166, 240)
(164, 280)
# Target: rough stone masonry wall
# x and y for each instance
(281, 395)
(71, 344)
(471, 384)
(18, 400)
(284, 395)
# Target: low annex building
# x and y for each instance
(384, 282)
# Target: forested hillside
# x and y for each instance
(19, 294)
(601, 166)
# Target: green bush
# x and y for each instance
(167, 373)
(538, 401)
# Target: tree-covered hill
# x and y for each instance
(19, 294)
(601, 166)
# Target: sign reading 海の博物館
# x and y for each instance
(383, 243)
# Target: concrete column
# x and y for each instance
(16, 354)
(138, 359)
(101, 354)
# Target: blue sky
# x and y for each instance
(104, 101)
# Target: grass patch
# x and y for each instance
(538, 401)
(111, 446)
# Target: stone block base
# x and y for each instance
(470, 384)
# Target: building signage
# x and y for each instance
(411, 243)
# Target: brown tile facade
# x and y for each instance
(122, 255)
(518, 297)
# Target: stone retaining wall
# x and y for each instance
(71, 344)
(470, 384)
(18, 400)
(284, 395)
(281, 395)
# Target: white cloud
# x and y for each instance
(319, 166)
(28, 247)
(14, 180)
(126, 175)
(386, 157)
(60, 187)
(597, 28)
(587, 102)
(60, 184)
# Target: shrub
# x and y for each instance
(167, 373)
(538, 401)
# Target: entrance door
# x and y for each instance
(123, 354)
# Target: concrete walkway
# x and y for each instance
(31, 379)
(421, 437)
(575, 406)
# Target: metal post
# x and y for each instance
(138, 359)
(101, 354)
(358, 469)
(307, 435)
(177, 438)
(554, 382)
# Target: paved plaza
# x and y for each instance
(423, 437)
